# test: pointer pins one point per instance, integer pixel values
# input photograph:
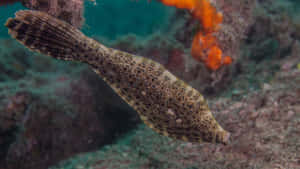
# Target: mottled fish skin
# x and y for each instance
(165, 103)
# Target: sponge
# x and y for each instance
(205, 47)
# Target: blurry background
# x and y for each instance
(61, 114)
(111, 19)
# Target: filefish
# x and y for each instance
(165, 103)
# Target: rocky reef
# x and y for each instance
(51, 114)
(264, 123)
(59, 114)
(70, 11)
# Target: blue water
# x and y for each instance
(52, 110)
(109, 19)
(6, 12)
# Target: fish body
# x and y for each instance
(165, 103)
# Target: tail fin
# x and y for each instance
(43, 33)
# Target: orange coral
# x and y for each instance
(204, 47)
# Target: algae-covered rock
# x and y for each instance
(265, 127)
(52, 111)
(70, 11)
(47, 116)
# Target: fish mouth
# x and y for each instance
(226, 138)
(223, 137)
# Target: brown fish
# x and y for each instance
(165, 103)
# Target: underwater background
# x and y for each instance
(61, 115)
